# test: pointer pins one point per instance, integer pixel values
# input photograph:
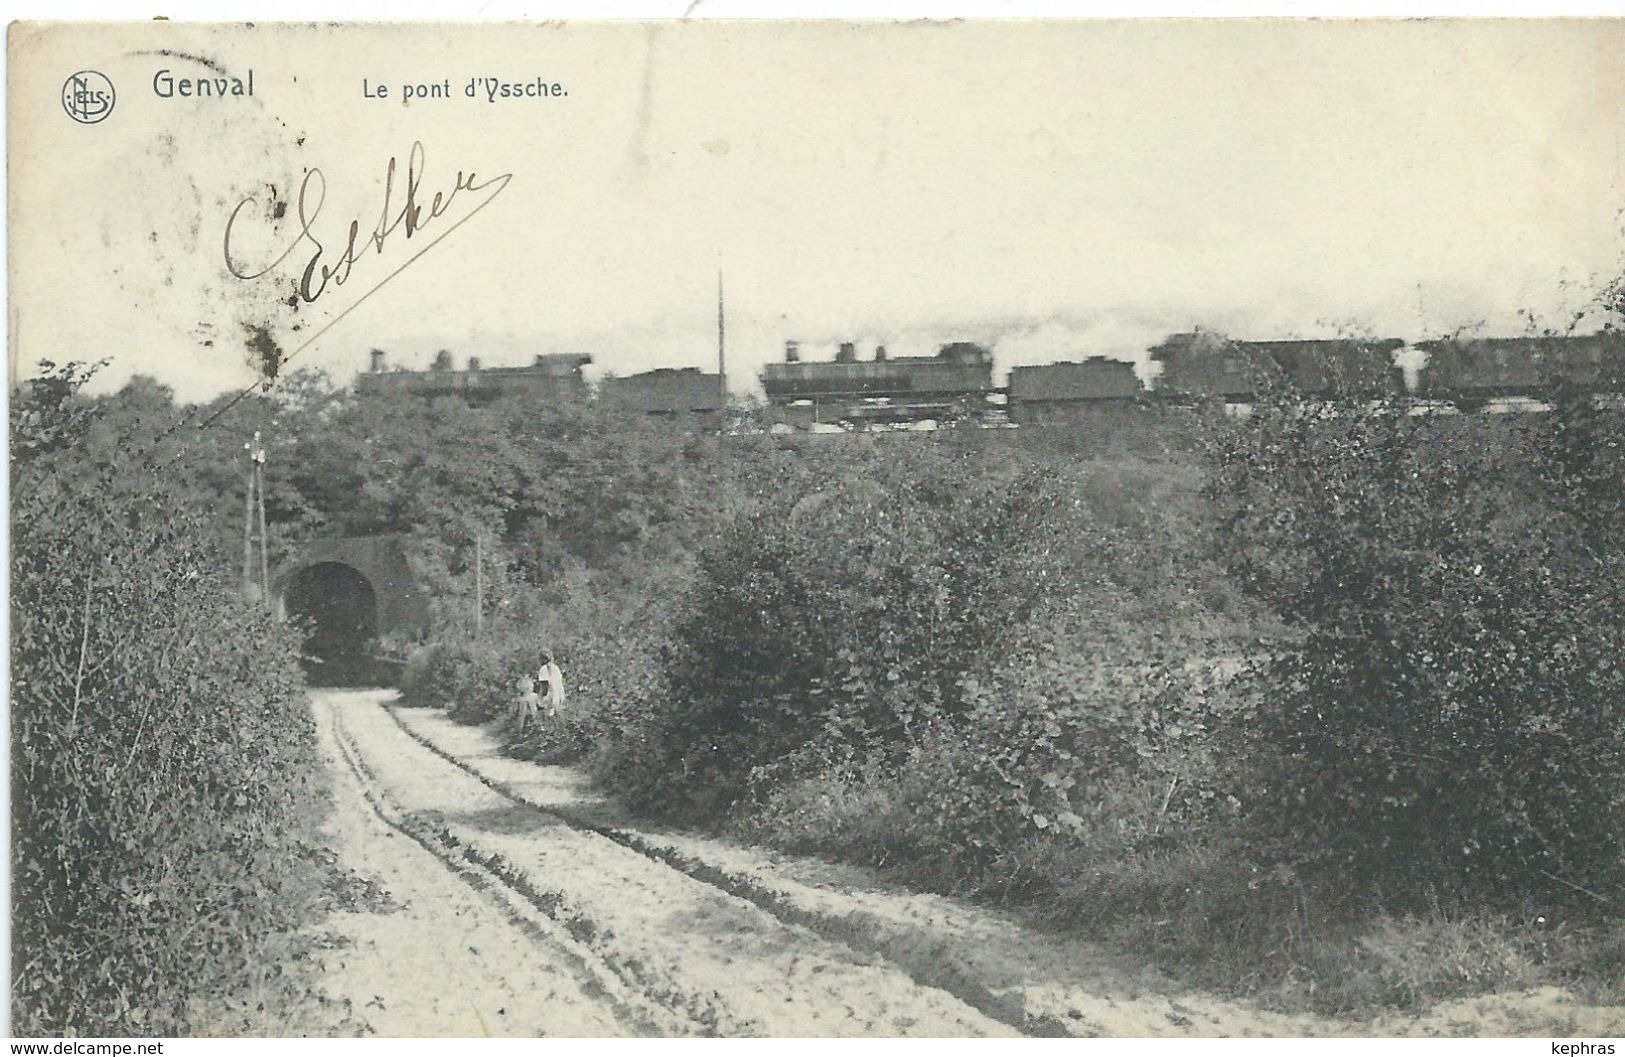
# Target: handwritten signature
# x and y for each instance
(414, 217)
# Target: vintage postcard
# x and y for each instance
(1061, 528)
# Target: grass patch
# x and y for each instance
(1204, 912)
(1211, 920)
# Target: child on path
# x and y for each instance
(529, 702)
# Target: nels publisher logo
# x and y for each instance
(87, 96)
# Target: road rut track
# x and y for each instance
(723, 963)
(523, 906)
(926, 967)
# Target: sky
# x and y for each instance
(1052, 190)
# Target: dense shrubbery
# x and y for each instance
(954, 657)
(473, 680)
(844, 623)
(163, 771)
(1450, 711)
(1053, 751)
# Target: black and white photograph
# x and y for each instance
(1092, 528)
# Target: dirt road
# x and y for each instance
(519, 903)
(514, 922)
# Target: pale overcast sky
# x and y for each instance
(1055, 190)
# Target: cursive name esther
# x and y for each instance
(418, 214)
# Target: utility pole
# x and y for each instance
(722, 347)
(265, 541)
(248, 527)
(479, 582)
(254, 516)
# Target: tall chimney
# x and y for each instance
(377, 360)
(792, 351)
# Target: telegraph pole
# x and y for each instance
(479, 582)
(248, 527)
(265, 541)
(254, 516)
(722, 346)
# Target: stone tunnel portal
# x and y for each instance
(338, 608)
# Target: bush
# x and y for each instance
(474, 680)
(843, 624)
(1450, 710)
(1116, 756)
(615, 671)
(426, 677)
(164, 779)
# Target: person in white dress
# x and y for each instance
(550, 684)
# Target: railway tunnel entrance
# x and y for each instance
(338, 608)
(359, 603)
